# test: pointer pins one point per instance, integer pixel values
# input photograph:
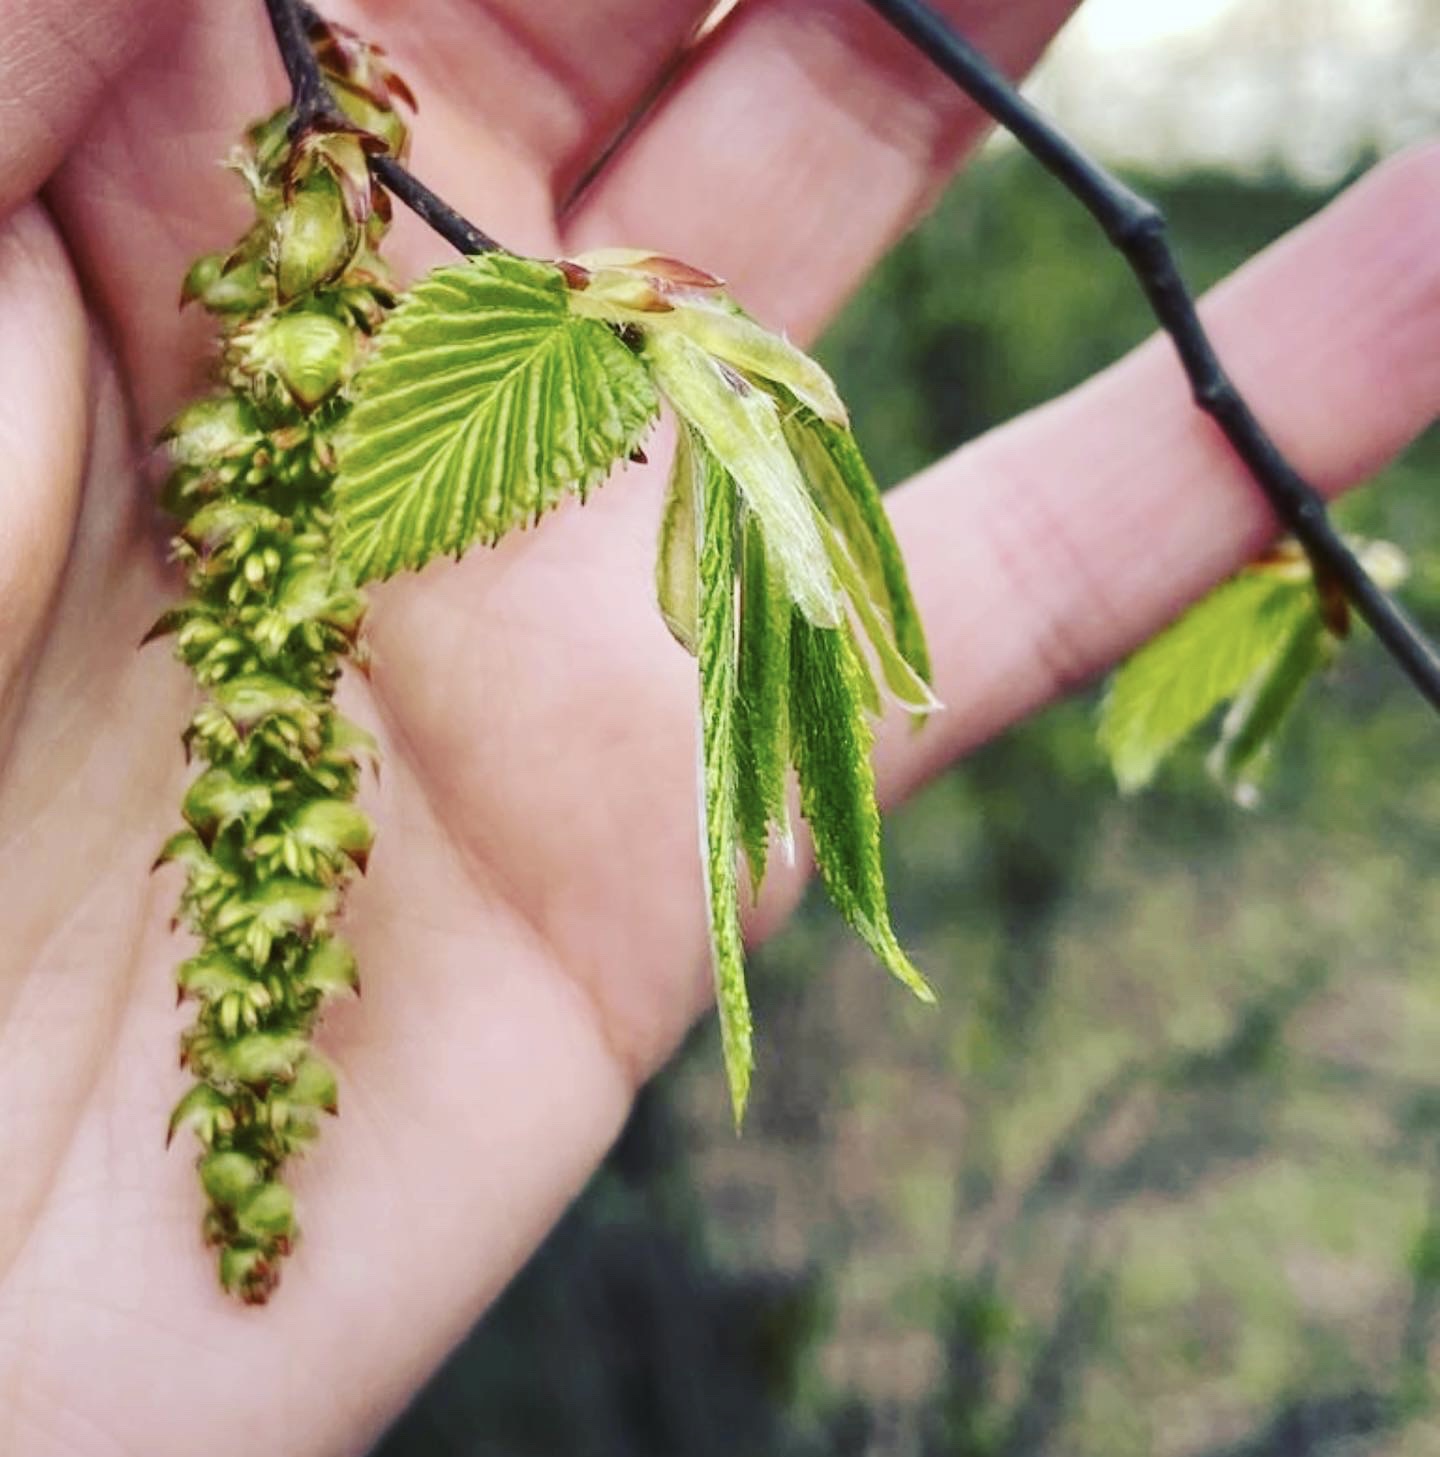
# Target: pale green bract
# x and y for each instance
(740, 426)
(831, 743)
(724, 332)
(486, 403)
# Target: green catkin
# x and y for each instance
(272, 832)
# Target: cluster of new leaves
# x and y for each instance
(272, 833)
(1254, 644)
(502, 385)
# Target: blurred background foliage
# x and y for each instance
(1162, 1176)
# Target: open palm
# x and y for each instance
(531, 931)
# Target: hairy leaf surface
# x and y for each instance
(1260, 711)
(717, 501)
(722, 330)
(831, 743)
(486, 402)
(762, 706)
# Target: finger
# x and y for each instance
(799, 148)
(477, 1098)
(56, 63)
(512, 96)
(43, 355)
(556, 80)
(1049, 548)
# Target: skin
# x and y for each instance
(531, 931)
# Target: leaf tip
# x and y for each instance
(922, 989)
(1131, 779)
(895, 961)
(739, 1099)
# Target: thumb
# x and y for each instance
(43, 367)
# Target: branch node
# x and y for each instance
(1138, 227)
(312, 101)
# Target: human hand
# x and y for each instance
(531, 932)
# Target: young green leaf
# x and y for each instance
(486, 401)
(717, 501)
(1204, 660)
(762, 707)
(629, 286)
(831, 743)
(740, 425)
(1260, 711)
(720, 328)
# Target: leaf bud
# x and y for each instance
(227, 1014)
(316, 236)
(310, 353)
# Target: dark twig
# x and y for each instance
(431, 209)
(1137, 228)
(312, 102)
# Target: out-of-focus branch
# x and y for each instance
(1137, 229)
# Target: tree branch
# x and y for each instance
(312, 102)
(1135, 226)
(1137, 229)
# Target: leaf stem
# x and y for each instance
(1137, 229)
(312, 101)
